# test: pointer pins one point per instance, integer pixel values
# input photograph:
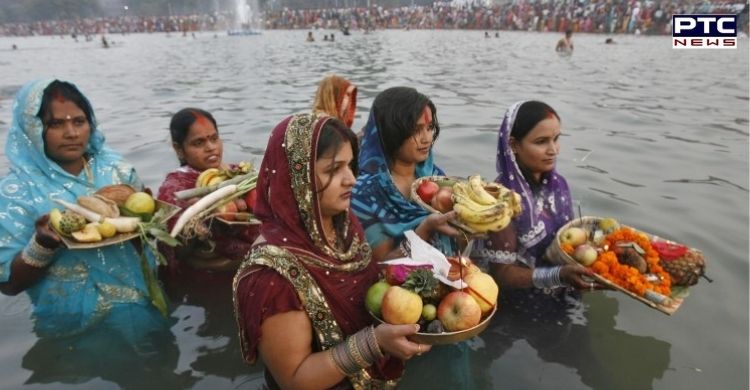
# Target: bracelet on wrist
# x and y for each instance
(36, 255)
(356, 352)
(548, 277)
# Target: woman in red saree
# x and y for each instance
(299, 298)
(196, 142)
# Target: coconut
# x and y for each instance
(117, 193)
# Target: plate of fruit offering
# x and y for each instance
(449, 297)
(112, 215)
(650, 269)
(481, 207)
(238, 211)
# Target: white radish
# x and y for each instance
(86, 213)
(124, 224)
(201, 205)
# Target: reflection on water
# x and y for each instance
(653, 136)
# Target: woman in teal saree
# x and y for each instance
(56, 150)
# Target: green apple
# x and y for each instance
(374, 297)
(140, 203)
(429, 311)
(574, 236)
(608, 225)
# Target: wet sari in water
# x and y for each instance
(296, 268)
(82, 288)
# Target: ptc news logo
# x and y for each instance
(704, 31)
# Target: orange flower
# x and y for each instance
(626, 276)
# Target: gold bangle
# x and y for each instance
(372, 342)
(354, 350)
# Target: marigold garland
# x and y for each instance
(626, 276)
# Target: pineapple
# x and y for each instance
(686, 269)
(422, 282)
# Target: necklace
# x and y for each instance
(331, 236)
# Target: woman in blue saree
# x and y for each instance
(396, 150)
(56, 150)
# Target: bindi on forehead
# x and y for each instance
(202, 120)
(427, 115)
(58, 96)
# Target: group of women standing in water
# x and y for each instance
(332, 205)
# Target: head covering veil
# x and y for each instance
(545, 209)
(382, 209)
(88, 282)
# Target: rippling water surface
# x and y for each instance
(654, 136)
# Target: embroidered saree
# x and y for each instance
(82, 287)
(296, 268)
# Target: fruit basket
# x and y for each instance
(444, 180)
(450, 297)
(665, 304)
(447, 337)
(481, 207)
(170, 211)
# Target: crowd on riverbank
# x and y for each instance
(590, 16)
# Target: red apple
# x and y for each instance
(227, 211)
(443, 200)
(401, 306)
(459, 311)
(250, 198)
(427, 190)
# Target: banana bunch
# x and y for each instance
(484, 207)
(213, 176)
(210, 177)
(244, 167)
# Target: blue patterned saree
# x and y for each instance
(383, 211)
(83, 287)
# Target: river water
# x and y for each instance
(655, 137)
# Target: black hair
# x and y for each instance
(568, 32)
(334, 134)
(528, 116)
(179, 126)
(396, 112)
(66, 91)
